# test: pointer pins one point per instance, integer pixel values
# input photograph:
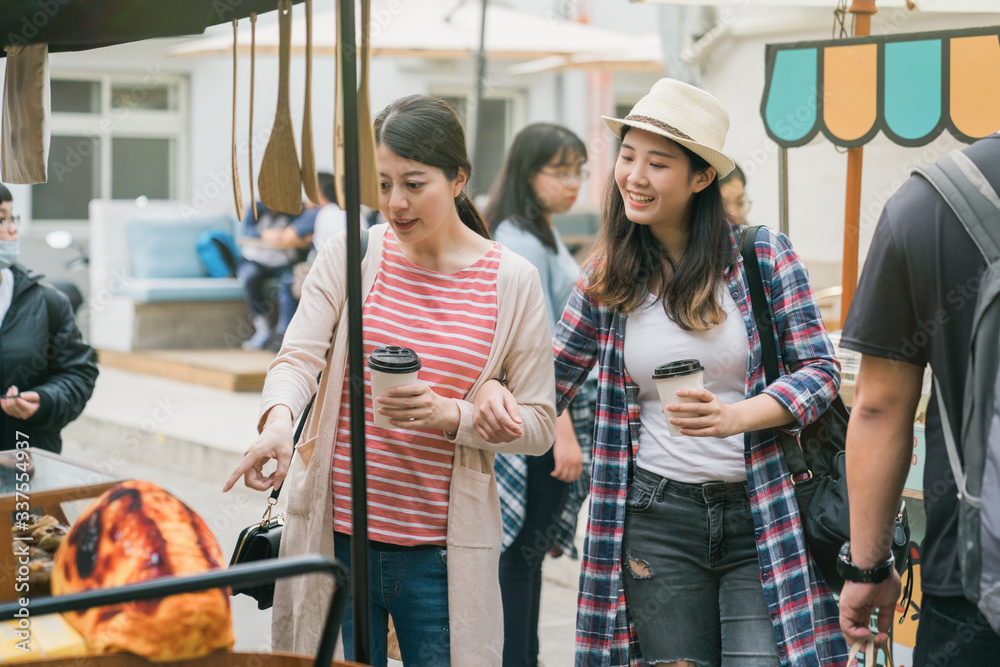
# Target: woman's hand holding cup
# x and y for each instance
(416, 405)
(704, 414)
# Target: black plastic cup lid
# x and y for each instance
(394, 359)
(678, 369)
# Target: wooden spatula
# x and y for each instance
(308, 170)
(237, 192)
(338, 121)
(253, 58)
(279, 180)
(367, 164)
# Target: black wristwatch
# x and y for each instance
(851, 572)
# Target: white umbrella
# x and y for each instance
(437, 29)
(645, 53)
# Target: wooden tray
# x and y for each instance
(53, 481)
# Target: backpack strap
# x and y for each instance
(961, 480)
(794, 456)
(969, 194)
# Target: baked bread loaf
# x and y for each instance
(134, 532)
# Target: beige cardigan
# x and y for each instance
(520, 351)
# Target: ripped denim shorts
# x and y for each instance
(691, 575)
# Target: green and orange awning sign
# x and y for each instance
(910, 86)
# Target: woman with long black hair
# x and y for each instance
(695, 552)
(540, 496)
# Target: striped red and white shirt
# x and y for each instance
(449, 320)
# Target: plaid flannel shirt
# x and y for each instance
(512, 479)
(802, 608)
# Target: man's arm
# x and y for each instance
(879, 446)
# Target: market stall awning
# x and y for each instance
(440, 29)
(75, 25)
(911, 87)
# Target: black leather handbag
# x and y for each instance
(260, 541)
(816, 459)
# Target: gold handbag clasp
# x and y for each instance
(266, 519)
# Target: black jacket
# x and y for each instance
(60, 368)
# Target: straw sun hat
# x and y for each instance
(685, 114)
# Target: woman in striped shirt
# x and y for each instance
(434, 282)
(695, 553)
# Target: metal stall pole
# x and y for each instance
(783, 190)
(352, 197)
(476, 121)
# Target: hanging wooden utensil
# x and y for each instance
(308, 170)
(237, 192)
(338, 123)
(367, 162)
(253, 57)
(279, 181)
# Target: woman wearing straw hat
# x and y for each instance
(695, 553)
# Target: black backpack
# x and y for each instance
(975, 460)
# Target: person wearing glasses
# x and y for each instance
(47, 372)
(540, 496)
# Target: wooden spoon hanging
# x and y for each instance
(279, 180)
(338, 121)
(308, 170)
(253, 58)
(367, 163)
(237, 192)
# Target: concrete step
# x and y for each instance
(229, 369)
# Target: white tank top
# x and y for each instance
(653, 339)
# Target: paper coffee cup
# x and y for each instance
(678, 375)
(390, 367)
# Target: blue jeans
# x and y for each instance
(252, 275)
(953, 633)
(691, 576)
(412, 585)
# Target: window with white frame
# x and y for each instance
(499, 111)
(114, 136)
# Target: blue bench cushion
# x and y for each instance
(183, 289)
(168, 248)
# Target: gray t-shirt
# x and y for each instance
(557, 269)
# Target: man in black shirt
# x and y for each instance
(914, 306)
